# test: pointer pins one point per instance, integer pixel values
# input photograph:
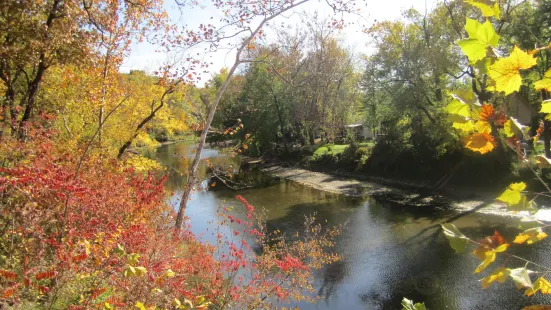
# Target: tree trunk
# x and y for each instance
(35, 83)
(546, 131)
(146, 120)
(281, 124)
(192, 178)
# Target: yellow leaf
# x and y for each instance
(546, 107)
(511, 195)
(483, 127)
(505, 71)
(530, 236)
(488, 8)
(537, 307)
(545, 83)
(465, 127)
(479, 142)
(481, 36)
(541, 285)
(517, 186)
(169, 273)
(490, 258)
(508, 129)
(502, 248)
(500, 275)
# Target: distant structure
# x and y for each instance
(520, 109)
(362, 131)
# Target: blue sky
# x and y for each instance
(144, 56)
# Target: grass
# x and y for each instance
(334, 149)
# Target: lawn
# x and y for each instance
(334, 149)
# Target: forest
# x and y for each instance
(455, 98)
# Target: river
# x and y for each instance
(390, 251)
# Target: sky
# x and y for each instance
(144, 56)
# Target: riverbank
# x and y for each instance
(402, 194)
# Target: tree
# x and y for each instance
(248, 18)
(37, 36)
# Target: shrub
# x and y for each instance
(104, 238)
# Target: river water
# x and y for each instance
(390, 251)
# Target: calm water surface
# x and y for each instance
(390, 251)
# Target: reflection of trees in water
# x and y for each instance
(332, 276)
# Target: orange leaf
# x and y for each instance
(487, 244)
(487, 113)
(8, 275)
(479, 142)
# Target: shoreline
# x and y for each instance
(403, 194)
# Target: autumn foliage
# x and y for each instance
(105, 238)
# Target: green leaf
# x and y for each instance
(458, 108)
(508, 129)
(140, 271)
(483, 65)
(481, 36)
(457, 240)
(512, 127)
(133, 258)
(409, 305)
(488, 8)
(119, 250)
(466, 96)
(521, 277)
(511, 195)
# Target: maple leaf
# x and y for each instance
(541, 285)
(487, 249)
(544, 83)
(546, 106)
(486, 113)
(511, 195)
(521, 277)
(457, 240)
(488, 8)
(530, 236)
(479, 142)
(481, 36)
(505, 72)
(489, 257)
(500, 275)
(490, 242)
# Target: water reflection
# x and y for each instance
(390, 251)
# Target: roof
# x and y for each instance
(354, 125)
